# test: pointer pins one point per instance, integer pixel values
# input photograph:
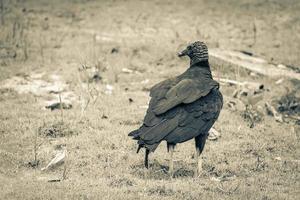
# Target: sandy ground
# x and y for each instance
(103, 56)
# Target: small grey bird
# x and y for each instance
(182, 108)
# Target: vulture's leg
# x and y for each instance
(146, 158)
(171, 151)
(200, 142)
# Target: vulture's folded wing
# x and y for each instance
(160, 89)
(185, 91)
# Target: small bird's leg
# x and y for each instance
(171, 164)
(199, 142)
(146, 158)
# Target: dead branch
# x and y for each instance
(2, 12)
(252, 63)
(271, 110)
(243, 84)
(61, 108)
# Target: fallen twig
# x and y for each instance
(243, 84)
(272, 111)
(61, 108)
(252, 63)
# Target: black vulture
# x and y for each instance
(182, 108)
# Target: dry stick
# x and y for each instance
(218, 73)
(95, 99)
(61, 108)
(89, 98)
(255, 64)
(2, 11)
(35, 147)
(14, 30)
(238, 77)
(116, 75)
(241, 84)
(64, 175)
(25, 48)
(87, 104)
(81, 94)
(42, 48)
(94, 47)
(25, 39)
(83, 107)
(278, 117)
(254, 32)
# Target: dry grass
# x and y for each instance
(59, 37)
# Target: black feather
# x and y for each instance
(181, 108)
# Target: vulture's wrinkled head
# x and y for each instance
(196, 51)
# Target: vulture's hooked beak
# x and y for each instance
(183, 53)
